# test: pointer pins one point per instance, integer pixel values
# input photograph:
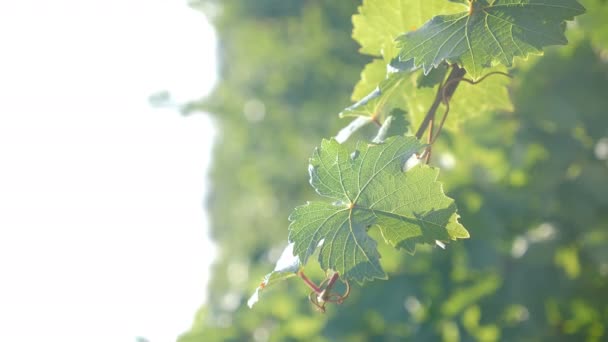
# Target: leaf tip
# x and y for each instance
(440, 244)
(457, 230)
(255, 297)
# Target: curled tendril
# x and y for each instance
(322, 294)
(446, 100)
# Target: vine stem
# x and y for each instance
(444, 93)
(429, 149)
(332, 281)
(446, 99)
(318, 289)
(310, 283)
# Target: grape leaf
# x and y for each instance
(373, 73)
(379, 22)
(368, 189)
(491, 32)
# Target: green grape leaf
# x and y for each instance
(490, 32)
(369, 190)
(373, 73)
(379, 22)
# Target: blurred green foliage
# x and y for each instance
(531, 186)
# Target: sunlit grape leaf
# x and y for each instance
(368, 190)
(490, 32)
(379, 22)
(372, 74)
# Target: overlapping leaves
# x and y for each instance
(416, 91)
(379, 22)
(490, 32)
(368, 189)
(379, 92)
(383, 99)
(469, 100)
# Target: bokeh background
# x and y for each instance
(531, 186)
(102, 228)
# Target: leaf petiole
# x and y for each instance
(309, 282)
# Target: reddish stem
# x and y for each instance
(310, 283)
(332, 281)
(375, 120)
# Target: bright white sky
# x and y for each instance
(102, 225)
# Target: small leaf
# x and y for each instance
(490, 32)
(394, 125)
(380, 101)
(351, 128)
(373, 73)
(286, 267)
(369, 189)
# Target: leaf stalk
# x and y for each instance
(444, 93)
